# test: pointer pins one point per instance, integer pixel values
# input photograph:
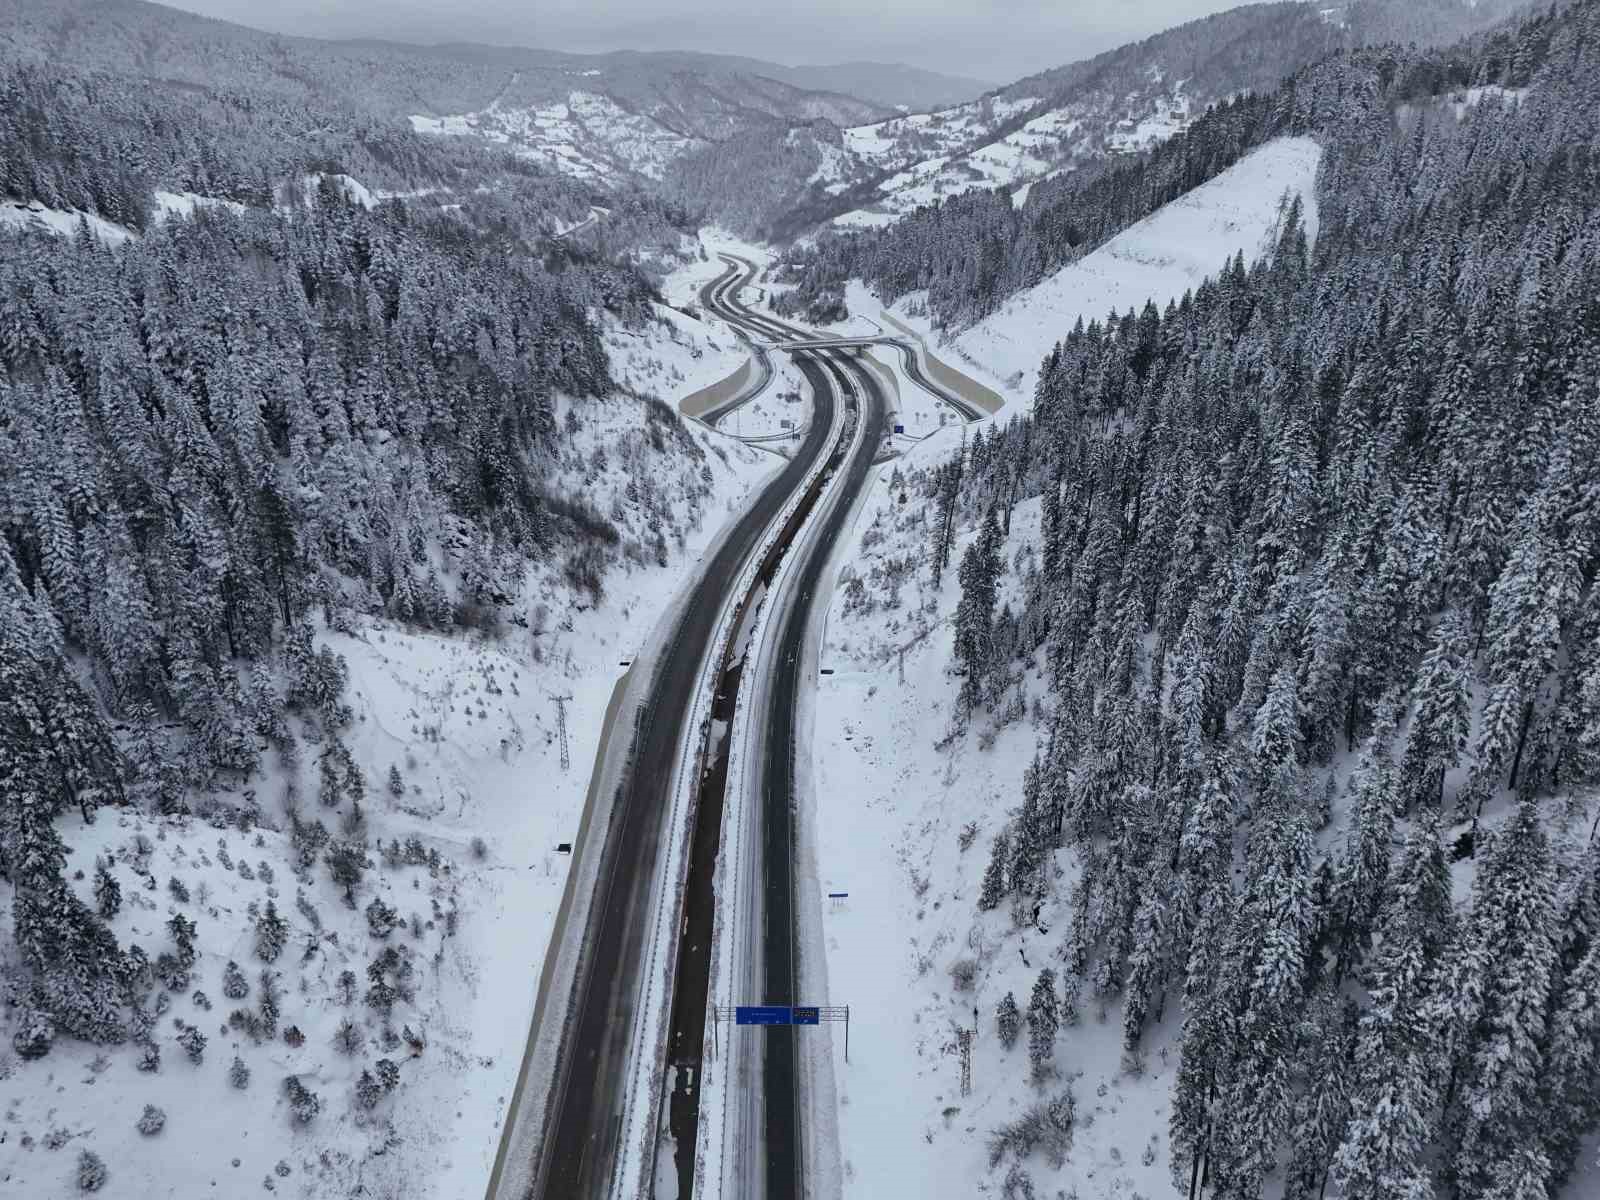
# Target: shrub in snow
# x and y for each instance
(267, 986)
(202, 1001)
(35, 1033)
(179, 890)
(234, 985)
(91, 1172)
(174, 975)
(239, 1074)
(480, 849)
(263, 871)
(1046, 1126)
(397, 786)
(153, 1121)
(271, 933)
(293, 1037)
(308, 910)
(388, 1074)
(193, 1043)
(1018, 1184)
(963, 974)
(381, 919)
(345, 989)
(348, 1039)
(244, 870)
(304, 1104)
(149, 1058)
(182, 930)
(368, 1092)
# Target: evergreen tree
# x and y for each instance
(1043, 1021)
(107, 891)
(993, 888)
(1508, 969)
(1008, 1020)
(979, 575)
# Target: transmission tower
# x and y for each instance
(561, 729)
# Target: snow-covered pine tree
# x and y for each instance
(1008, 1021)
(1043, 1020)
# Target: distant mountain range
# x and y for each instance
(771, 149)
(1065, 119)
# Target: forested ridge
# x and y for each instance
(970, 252)
(1318, 624)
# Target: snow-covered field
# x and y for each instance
(1158, 259)
(473, 730)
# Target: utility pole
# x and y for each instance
(561, 729)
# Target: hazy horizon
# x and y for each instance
(997, 41)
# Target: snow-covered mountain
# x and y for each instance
(1064, 119)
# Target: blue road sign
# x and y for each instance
(806, 1016)
(899, 428)
(837, 895)
(763, 1014)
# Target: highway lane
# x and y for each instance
(771, 1106)
(782, 1134)
(588, 1092)
(580, 1142)
(828, 372)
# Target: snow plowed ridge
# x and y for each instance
(1158, 259)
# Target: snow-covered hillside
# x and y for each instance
(586, 135)
(1158, 259)
(468, 760)
(1055, 140)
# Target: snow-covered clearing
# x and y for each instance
(20, 215)
(472, 727)
(183, 204)
(1158, 259)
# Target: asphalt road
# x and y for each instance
(580, 1143)
(830, 373)
(781, 963)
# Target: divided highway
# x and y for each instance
(585, 1111)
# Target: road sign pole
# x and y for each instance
(847, 1033)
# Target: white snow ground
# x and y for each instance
(22, 215)
(1160, 258)
(473, 728)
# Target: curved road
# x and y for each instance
(830, 373)
(580, 1145)
(584, 1114)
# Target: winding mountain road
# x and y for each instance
(585, 1127)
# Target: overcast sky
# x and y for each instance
(995, 40)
